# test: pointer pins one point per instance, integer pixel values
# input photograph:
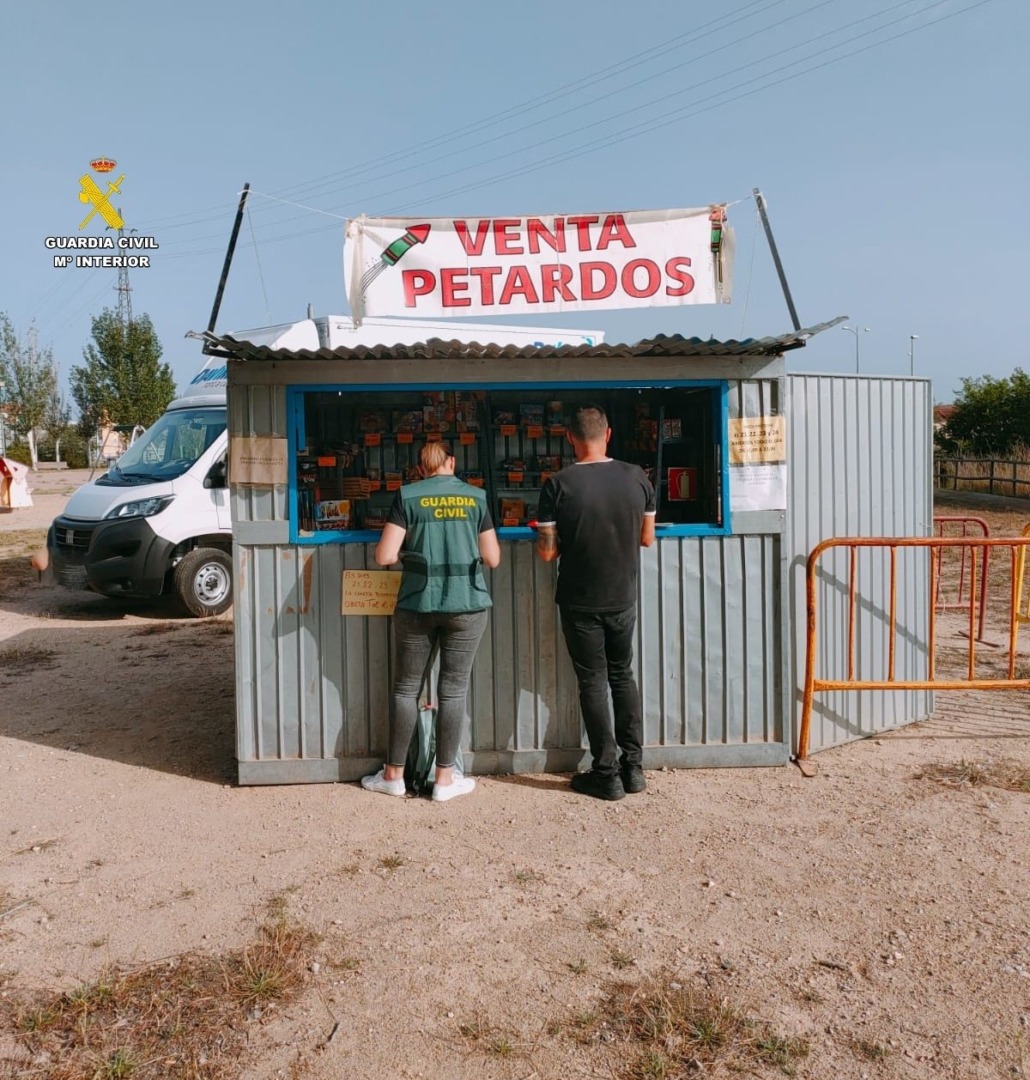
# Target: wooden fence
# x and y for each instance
(991, 476)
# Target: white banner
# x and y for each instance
(537, 265)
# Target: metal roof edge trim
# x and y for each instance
(661, 345)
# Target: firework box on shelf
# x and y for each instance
(333, 514)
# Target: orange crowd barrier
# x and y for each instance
(942, 524)
(934, 545)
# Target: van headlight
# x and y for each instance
(140, 507)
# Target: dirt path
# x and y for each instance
(881, 917)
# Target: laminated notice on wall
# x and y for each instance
(370, 592)
(257, 460)
(758, 463)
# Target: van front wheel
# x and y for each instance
(203, 581)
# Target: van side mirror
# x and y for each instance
(216, 475)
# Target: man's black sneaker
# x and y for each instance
(633, 778)
(599, 785)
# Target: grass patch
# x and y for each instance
(183, 1018)
(220, 627)
(23, 659)
(663, 1028)
(620, 960)
(391, 862)
(16, 549)
(526, 877)
(1008, 775)
(869, 1050)
(155, 628)
(599, 922)
(481, 1036)
(22, 540)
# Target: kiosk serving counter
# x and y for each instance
(329, 435)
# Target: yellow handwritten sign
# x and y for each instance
(370, 592)
(757, 440)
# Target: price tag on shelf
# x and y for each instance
(434, 436)
(556, 429)
(510, 522)
(373, 438)
(516, 477)
(326, 462)
(467, 438)
(375, 485)
(475, 481)
(508, 429)
(534, 431)
(393, 485)
(405, 437)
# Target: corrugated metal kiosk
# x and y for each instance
(752, 468)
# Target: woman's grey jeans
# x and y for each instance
(458, 636)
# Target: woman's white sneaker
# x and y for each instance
(378, 782)
(460, 785)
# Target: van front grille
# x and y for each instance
(73, 539)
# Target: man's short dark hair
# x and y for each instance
(589, 423)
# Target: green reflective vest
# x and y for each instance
(442, 568)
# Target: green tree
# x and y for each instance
(123, 378)
(56, 421)
(29, 378)
(992, 416)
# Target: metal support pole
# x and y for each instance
(760, 200)
(228, 261)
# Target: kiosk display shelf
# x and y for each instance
(356, 448)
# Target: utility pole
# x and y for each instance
(124, 288)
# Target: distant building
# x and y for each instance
(942, 414)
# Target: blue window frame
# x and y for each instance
(346, 455)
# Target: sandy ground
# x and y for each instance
(881, 916)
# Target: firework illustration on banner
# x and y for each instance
(391, 255)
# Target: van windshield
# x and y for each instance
(169, 448)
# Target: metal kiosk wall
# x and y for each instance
(312, 685)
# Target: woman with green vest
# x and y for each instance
(441, 531)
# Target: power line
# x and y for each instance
(576, 86)
(660, 102)
(585, 82)
(695, 108)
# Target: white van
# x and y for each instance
(157, 522)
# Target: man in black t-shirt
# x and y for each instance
(596, 515)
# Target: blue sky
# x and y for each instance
(895, 177)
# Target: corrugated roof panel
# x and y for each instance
(438, 349)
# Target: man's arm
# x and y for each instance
(647, 530)
(547, 546)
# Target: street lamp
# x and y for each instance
(912, 339)
(856, 330)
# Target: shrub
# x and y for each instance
(18, 452)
